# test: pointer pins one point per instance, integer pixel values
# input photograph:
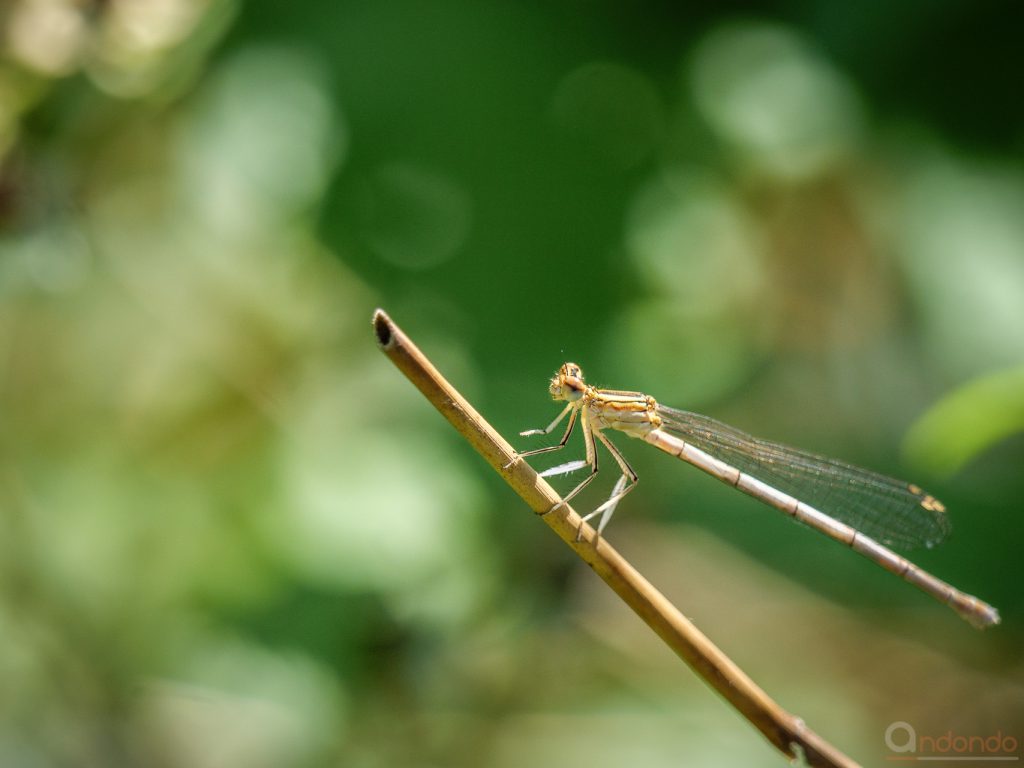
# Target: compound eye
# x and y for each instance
(572, 371)
(572, 378)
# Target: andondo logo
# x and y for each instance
(907, 744)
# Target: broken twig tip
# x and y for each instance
(382, 328)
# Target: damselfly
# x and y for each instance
(864, 507)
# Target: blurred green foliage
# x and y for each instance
(233, 536)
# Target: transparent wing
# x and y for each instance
(888, 510)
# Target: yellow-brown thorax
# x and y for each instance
(631, 412)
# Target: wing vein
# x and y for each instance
(888, 510)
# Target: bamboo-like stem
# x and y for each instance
(785, 731)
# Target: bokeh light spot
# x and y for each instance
(961, 244)
(779, 104)
(681, 357)
(691, 241)
(414, 217)
(46, 35)
(265, 142)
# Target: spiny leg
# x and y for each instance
(550, 427)
(591, 461)
(620, 489)
(561, 443)
(609, 506)
(547, 430)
